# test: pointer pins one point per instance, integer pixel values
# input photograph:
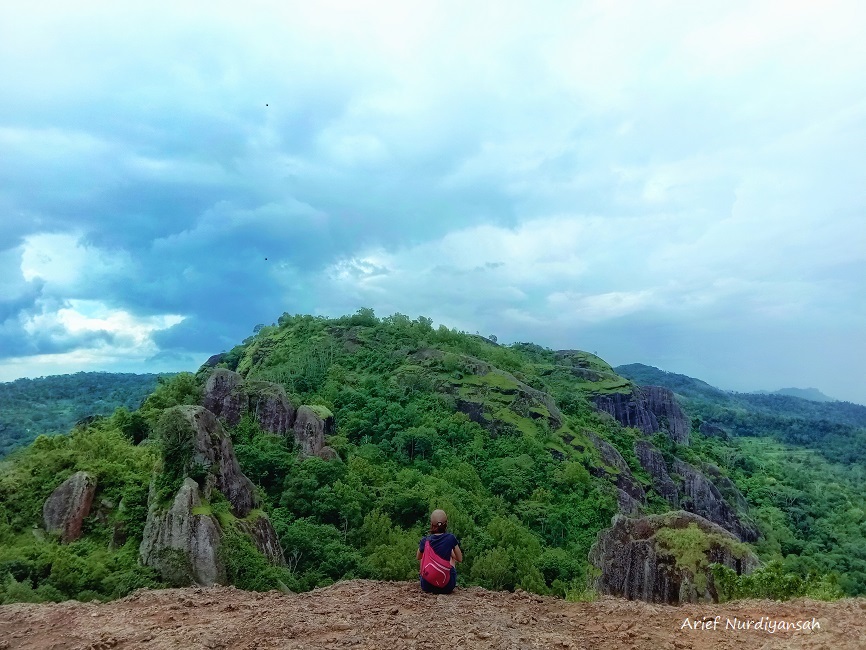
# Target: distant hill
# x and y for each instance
(30, 407)
(837, 430)
(680, 384)
(811, 394)
(327, 441)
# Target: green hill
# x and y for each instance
(31, 407)
(507, 439)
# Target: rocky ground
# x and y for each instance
(394, 616)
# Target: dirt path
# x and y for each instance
(395, 616)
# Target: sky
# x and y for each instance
(681, 184)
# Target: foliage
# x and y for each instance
(773, 581)
(49, 405)
(425, 418)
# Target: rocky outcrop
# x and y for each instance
(261, 531)
(328, 453)
(652, 558)
(214, 454)
(713, 431)
(652, 460)
(628, 409)
(483, 392)
(182, 537)
(64, 511)
(649, 409)
(625, 481)
(716, 499)
(671, 418)
(726, 486)
(229, 396)
(182, 542)
(627, 504)
(312, 425)
(700, 496)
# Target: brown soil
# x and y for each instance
(396, 615)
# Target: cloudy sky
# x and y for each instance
(680, 183)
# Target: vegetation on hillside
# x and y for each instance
(425, 418)
(32, 407)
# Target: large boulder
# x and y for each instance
(653, 558)
(183, 533)
(64, 511)
(312, 425)
(224, 396)
(229, 396)
(182, 542)
(214, 454)
(649, 409)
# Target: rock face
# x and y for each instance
(649, 409)
(671, 418)
(182, 539)
(64, 511)
(653, 462)
(642, 559)
(713, 431)
(214, 452)
(700, 496)
(182, 544)
(691, 490)
(229, 396)
(488, 391)
(625, 481)
(312, 425)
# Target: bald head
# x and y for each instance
(438, 521)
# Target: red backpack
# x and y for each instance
(434, 569)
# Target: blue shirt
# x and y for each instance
(442, 543)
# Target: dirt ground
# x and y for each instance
(395, 616)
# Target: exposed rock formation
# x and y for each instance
(649, 409)
(625, 481)
(492, 390)
(653, 462)
(328, 453)
(671, 418)
(213, 453)
(627, 504)
(726, 486)
(64, 511)
(182, 540)
(261, 531)
(643, 559)
(229, 396)
(214, 360)
(713, 431)
(312, 425)
(700, 496)
(181, 543)
(628, 409)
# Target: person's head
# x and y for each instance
(438, 521)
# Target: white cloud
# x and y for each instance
(66, 263)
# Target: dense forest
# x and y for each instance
(31, 407)
(506, 439)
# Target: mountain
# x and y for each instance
(31, 407)
(812, 394)
(314, 451)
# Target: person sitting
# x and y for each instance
(438, 554)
